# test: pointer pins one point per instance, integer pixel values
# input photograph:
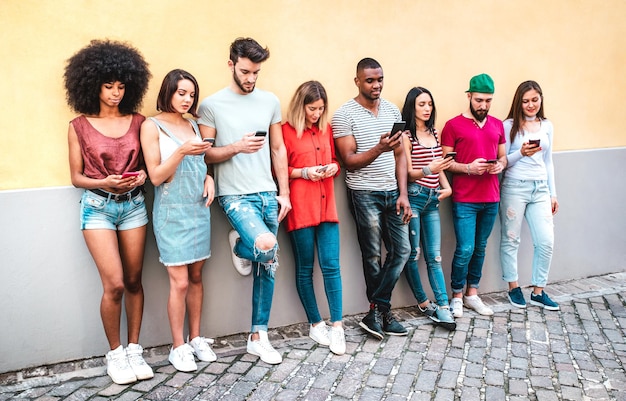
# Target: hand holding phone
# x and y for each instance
(491, 161)
(451, 155)
(397, 126)
(130, 174)
(209, 140)
(535, 142)
(322, 169)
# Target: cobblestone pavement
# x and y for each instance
(577, 353)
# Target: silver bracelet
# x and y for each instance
(426, 171)
(304, 173)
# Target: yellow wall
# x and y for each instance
(574, 49)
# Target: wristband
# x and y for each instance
(304, 173)
(468, 170)
(426, 171)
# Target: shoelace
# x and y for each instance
(120, 362)
(203, 343)
(136, 359)
(185, 353)
(337, 336)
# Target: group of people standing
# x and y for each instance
(261, 170)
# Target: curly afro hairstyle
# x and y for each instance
(100, 62)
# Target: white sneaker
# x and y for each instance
(319, 334)
(142, 370)
(202, 349)
(337, 340)
(474, 302)
(182, 358)
(118, 368)
(263, 349)
(456, 307)
(243, 266)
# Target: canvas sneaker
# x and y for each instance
(202, 349)
(544, 301)
(182, 358)
(516, 298)
(474, 302)
(373, 323)
(337, 340)
(263, 349)
(118, 368)
(391, 325)
(142, 370)
(319, 334)
(243, 266)
(456, 307)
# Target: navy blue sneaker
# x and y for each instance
(373, 322)
(516, 298)
(544, 301)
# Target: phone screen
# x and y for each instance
(260, 133)
(397, 126)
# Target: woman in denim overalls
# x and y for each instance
(174, 155)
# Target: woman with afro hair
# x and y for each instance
(105, 82)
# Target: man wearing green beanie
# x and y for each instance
(479, 142)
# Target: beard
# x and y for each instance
(479, 115)
(240, 85)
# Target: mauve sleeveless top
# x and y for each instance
(103, 156)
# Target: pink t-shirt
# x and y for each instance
(104, 156)
(471, 142)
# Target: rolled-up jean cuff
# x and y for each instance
(455, 291)
(258, 327)
(474, 285)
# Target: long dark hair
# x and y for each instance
(408, 111)
(516, 112)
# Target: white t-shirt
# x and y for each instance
(353, 119)
(233, 115)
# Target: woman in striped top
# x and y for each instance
(427, 186)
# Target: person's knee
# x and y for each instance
(265, 242)
(115, 291)
(195, 277)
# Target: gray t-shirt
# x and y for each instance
(353, 119)
(233, 115)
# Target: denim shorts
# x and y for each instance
(99, 212)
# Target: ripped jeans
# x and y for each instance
(528, 199)
(425, 231)
(252, 215)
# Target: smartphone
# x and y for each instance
(451, 154)
(492, 161)
(535, 142)
(130, 174)
(322, 169)
(397, 126)
(209, 140)
(260, 133)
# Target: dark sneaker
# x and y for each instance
(516, 298)
(544, 301)
(430, 311)
(391, 325)
(445, 318)
(372, 323)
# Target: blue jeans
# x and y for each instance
(425, 229)
(375, 216)
(472, 225)
(252, 215)
(324, 237)
(528, 199)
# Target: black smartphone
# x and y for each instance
(209, 140)
(492, 161)
(397, 126)
(535, 142)
(451, 154)
(260, 133)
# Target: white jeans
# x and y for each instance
(528, 199)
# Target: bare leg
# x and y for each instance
(176, 306)
(195, 294)
(132, 245)
(103, 246)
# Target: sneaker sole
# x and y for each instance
(521, 306)
(372, 332)
(450, 326)
(544, 306)
(393, 333)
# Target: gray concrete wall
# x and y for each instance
(50, 289)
